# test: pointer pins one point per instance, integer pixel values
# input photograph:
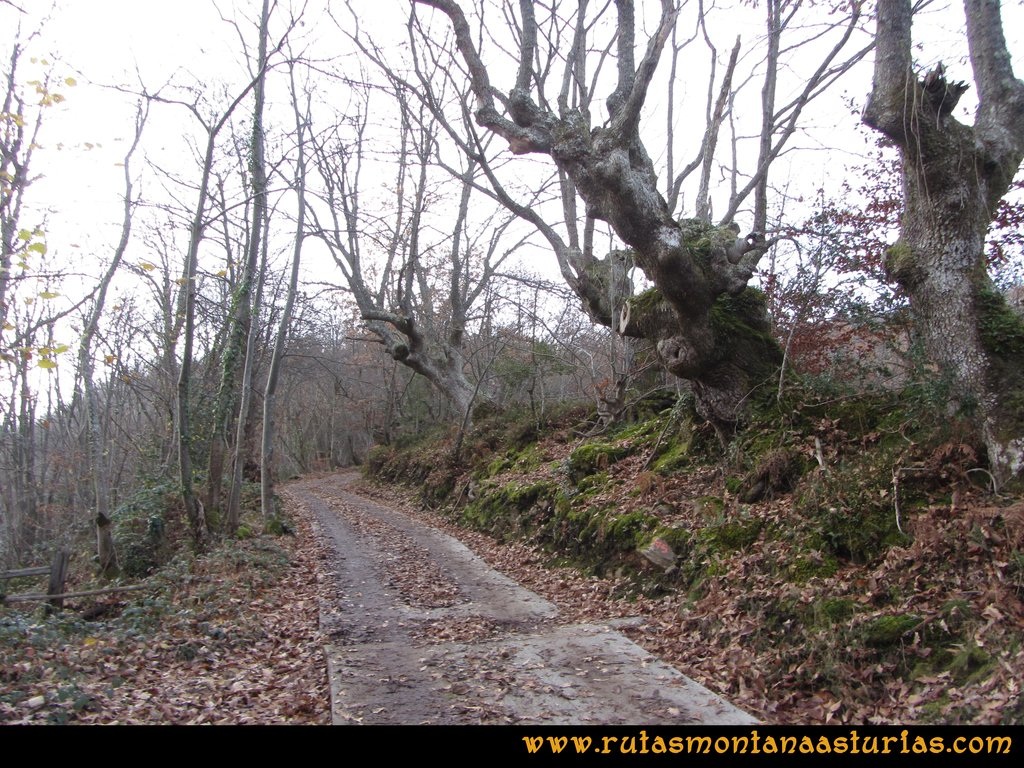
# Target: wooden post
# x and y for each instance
(58, 574)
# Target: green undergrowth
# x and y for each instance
(149, 527)
(843, 464)
(140, 528)
(818, 537)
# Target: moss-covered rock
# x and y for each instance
(678, 538)
(600, 539)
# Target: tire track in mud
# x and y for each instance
(421, 631)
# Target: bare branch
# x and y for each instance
(1000, 94)
(625, 121)
(893, 77)
(710, 141)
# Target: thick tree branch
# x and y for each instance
(1000, 123)
(625, 40)
(527, 47)
(990, 59)
(893, 79)
(533, 131)
(626, 120)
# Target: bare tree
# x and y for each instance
(414, 274)
(98, 460)
(270, 391)
(954, 176)
(212, 127)
(708, 326)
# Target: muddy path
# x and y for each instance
(422, 631)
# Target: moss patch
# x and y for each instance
(732, 535)
(900, 262)
(885, 631)
(836, 610)
(600, 539)
(512, 509)
(806, 567)
(741, 321)
(1002, 329)
(679, 539)
(593, 484)
(673, 454)
(593, 457)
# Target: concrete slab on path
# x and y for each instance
(480, 650)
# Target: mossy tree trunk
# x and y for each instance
(954, 176)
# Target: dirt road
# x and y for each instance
(422, 631)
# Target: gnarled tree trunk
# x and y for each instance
(700, 271)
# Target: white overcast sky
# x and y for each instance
(114, 42)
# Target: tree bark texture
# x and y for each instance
(954, 176)
(105, 550)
